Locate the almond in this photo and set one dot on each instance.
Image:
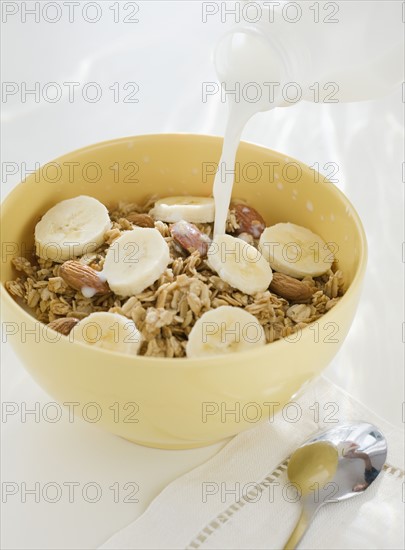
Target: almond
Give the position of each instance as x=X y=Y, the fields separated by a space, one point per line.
x=249 y=220
x=291 y=289
x=63 y=325
x=189 y=237
x=84 y=278
x=141 y=220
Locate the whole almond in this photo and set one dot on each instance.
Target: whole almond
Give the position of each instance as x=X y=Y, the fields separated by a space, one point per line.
x=189 y=237
x=63 y=325
x=291 y=289
x=84 y=278
x=141 y=220
x=249 y=220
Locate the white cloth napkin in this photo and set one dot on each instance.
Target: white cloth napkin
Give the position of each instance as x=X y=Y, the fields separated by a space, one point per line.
x=241 y=497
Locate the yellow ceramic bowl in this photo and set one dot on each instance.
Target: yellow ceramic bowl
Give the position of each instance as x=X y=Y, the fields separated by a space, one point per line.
x=180 y=403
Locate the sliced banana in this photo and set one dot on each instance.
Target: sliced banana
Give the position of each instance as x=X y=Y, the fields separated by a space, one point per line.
x=295 y=250
x=225 y=329
x=135 y=260
x=71 y=228
x=110 y=331
x=188 y=208
x=239 y=264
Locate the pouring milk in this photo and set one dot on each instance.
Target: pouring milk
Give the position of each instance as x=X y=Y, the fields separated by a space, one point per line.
x=355 y=55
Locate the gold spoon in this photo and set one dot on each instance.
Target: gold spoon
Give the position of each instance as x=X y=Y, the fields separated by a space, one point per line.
x=325 y=468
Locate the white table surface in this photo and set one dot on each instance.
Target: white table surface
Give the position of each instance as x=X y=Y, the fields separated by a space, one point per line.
x=168 y=53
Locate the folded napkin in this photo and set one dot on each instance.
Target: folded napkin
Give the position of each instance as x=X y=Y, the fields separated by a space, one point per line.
x=241 y=498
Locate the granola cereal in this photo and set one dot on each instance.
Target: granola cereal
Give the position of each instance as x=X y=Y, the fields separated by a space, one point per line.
x=166 y=311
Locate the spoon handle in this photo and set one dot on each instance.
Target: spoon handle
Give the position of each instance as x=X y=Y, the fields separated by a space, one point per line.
x=301 y=527
x=297 y=534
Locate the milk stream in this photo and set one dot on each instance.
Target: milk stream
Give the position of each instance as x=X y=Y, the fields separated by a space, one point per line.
x=361 y=57
x=223 y=183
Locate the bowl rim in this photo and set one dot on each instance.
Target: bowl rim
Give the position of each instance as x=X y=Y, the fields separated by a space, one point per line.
x=209 y=361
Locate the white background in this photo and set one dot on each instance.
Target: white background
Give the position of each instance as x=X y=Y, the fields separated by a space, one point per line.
x=168 y=53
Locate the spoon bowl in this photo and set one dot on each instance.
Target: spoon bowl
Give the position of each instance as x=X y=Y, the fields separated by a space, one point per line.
x=334 y=465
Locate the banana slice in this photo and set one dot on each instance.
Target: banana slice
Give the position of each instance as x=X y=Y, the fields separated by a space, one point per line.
x=135 y=260
x=239 y=264
x=225 y=329
x=71 y=228
x=110 y=331
x=188 y=208
x=295 y=250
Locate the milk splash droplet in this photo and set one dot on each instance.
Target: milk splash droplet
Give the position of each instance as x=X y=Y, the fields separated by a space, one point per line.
x=101 y=276
x=88 y=292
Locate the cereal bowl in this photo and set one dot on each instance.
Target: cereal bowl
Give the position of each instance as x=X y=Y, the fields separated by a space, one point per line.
x=180 y=403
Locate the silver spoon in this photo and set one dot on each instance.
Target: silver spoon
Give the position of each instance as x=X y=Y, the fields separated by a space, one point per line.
x=334 y=465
